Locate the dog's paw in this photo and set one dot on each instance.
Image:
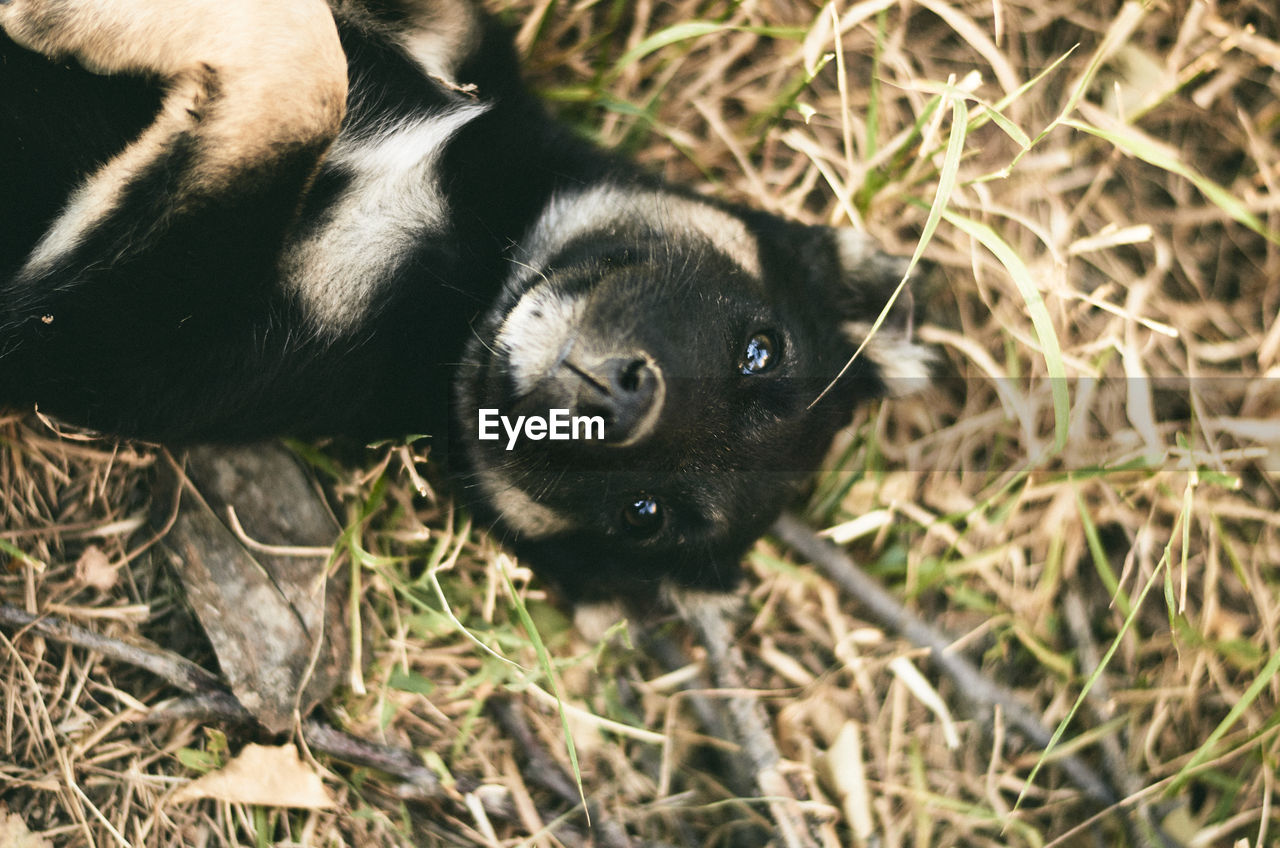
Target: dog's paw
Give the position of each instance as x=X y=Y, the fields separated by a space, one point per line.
x=168 y=38
x=39 y=25
x=278 y=63
x=105 y=36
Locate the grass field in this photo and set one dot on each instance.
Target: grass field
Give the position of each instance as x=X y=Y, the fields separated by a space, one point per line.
x=1088 y=499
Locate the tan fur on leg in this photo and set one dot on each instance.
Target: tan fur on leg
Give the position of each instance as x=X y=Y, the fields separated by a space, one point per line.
x=251 y=80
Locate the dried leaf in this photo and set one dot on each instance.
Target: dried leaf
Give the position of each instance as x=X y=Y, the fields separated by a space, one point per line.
x=256 y=583
x=269 y=776
x=94 y=568
x=14 y=833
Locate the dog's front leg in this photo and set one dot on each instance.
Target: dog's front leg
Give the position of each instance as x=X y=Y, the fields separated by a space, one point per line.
x=256 y=91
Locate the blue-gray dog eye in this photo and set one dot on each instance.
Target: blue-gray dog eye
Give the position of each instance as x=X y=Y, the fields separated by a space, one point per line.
x=759 y=355
x=643 y=516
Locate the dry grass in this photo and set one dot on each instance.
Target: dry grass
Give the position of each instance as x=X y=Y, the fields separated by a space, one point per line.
x=1119 y=539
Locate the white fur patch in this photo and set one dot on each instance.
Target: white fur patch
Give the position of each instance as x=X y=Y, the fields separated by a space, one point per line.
x=597 y=618
x=691 y=604
x=542 y=331
x=88 y=206
x=537 y=334
x=521 y=513
x=904 y=365
x=854 y=247
x=393 y=201
x=605 y=208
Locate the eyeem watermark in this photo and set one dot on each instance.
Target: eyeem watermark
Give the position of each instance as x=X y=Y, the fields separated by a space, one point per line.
x=557 y=426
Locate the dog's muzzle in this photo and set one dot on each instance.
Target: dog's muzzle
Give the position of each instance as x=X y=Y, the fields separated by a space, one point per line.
x=627 y=392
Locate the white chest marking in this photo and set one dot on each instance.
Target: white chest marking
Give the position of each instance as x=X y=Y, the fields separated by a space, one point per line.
x=394 y=200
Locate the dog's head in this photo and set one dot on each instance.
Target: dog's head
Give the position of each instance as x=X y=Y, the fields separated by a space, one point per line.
x=639 y=405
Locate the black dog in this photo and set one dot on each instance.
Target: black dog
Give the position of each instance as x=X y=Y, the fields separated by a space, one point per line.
x=255 y=217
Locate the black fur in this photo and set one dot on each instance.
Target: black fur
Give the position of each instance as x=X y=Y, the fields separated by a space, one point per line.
x=173 y=323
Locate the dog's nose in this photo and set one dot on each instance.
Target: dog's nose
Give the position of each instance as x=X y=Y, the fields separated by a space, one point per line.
x=626 y=391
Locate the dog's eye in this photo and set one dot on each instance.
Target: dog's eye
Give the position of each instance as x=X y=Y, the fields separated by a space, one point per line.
x=759 y=355
x=643 y=517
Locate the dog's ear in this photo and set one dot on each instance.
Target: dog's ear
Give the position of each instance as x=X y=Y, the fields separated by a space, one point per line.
x=870 y=290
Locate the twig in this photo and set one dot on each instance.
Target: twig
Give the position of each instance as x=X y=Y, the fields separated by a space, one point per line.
x=542 y=767
x=166 y=665
x=709 y=714
x=419 y=782
x=1143 y=819
x=544 y=770
x=221 y=707
x=888 y=612
x=746 y=717
x=209 y=699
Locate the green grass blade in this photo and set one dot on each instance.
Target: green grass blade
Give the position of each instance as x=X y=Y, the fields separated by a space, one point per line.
x=553 y=681
x=946 y=184
x=1261 y=682
x=697 y=29
x=1040 y=318
x=1061 y=729
x=1129 y=140
x=1101 y=564
x=1131 y=14
x=946 y=180
x=1010 y=129
x=1013 y=96
x=18 y=555
x=874 y=84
